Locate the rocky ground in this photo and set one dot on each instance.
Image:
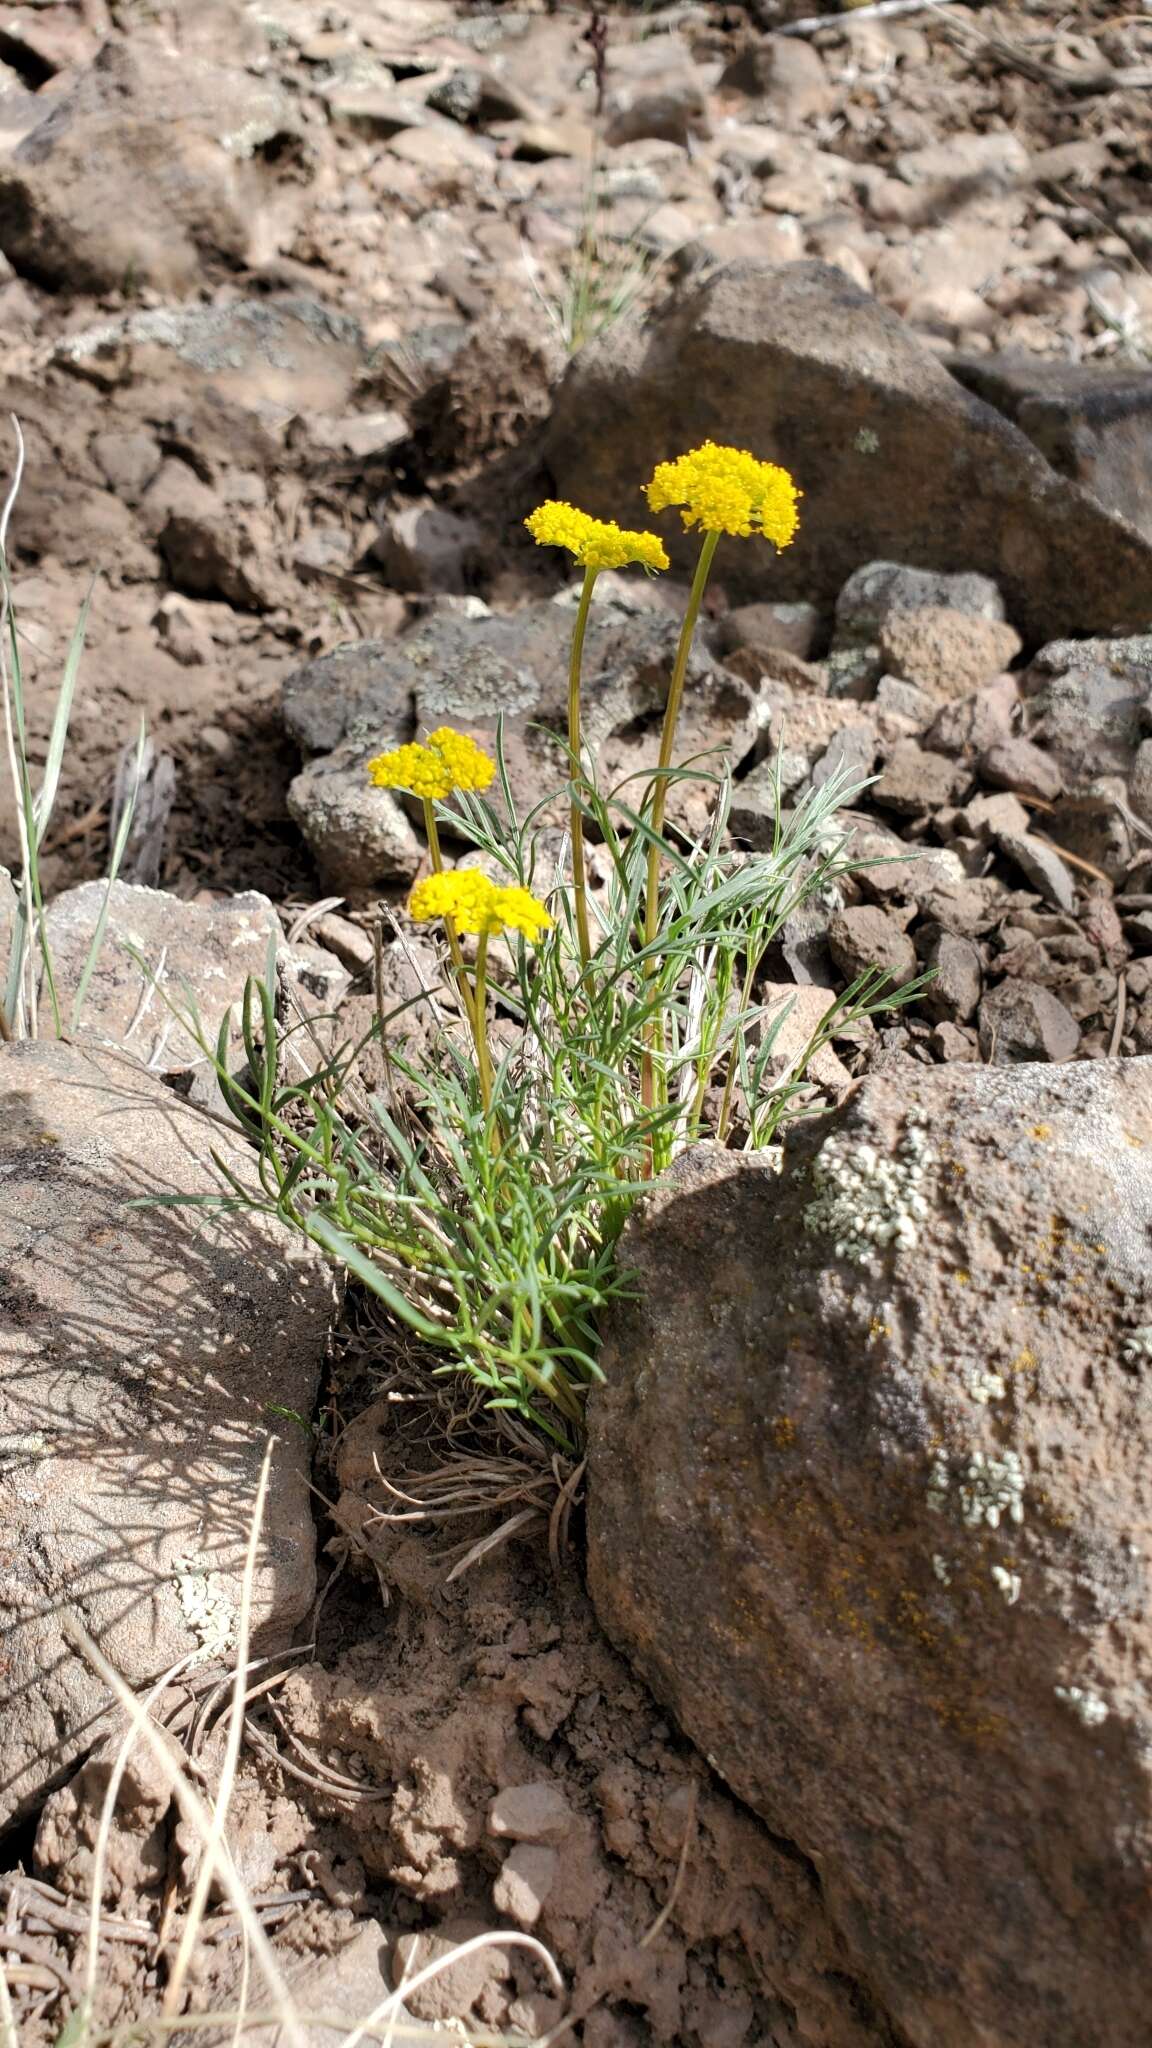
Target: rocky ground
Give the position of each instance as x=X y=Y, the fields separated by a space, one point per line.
x=304 y=307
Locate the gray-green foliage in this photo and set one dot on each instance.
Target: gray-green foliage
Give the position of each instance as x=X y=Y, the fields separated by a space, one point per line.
x=493 y=1238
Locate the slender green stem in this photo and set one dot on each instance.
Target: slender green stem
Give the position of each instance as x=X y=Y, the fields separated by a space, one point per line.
x=668 y=737
x=432 y=835
x=575 y=740
x=659 y=802
x=480 y=1023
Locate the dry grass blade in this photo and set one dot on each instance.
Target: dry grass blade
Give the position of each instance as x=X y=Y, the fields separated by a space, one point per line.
x=497 y=1938
x=1121 y=1010
x=214 y=1842
x=487 y=1544
x=195 y=1811
x=561 y=1516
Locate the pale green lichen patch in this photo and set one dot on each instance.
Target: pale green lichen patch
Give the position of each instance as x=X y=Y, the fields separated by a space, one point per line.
x=1087 y=1705
x=867 y=1202
x=993 y=1487
x=206 y=1607
x=987 y=1386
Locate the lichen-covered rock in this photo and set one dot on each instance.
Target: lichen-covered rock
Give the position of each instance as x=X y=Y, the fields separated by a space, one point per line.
x=870 y=1487
x=145 y=1355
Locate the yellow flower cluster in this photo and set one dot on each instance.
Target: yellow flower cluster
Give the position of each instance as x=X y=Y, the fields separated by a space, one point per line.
x=727 y=490
x=596 y=543
x=476 y=904
x=449 y=760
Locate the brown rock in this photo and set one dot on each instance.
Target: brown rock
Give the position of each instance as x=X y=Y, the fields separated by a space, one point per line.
x=988 y=817
x=537 y=1812
x=770 y=628
x=1095 y=826
x=1091 y=421
x=1042 y=865
x=866 y=937
x=802 y=367
x=159 y=950
x=1086 y=703
x=785 y=76
x=527 y=1875
x=971 y=725
x=792 y=1017
x=915 y=782
x=1016 y=764
x=949 y=1042
x=672 y=110
x=455 y=1990
x=148 y=169
x=909 y=1623
x=957 y=979
x=428 y=547
x=947 y=652
x=1021 y=1021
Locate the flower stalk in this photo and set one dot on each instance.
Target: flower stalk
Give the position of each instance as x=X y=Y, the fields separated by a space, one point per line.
x=459 y=973
x=575 y=745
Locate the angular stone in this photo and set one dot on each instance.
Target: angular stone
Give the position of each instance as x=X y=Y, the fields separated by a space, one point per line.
x=970 y=725
x=865 y=936
x=358 y=835
x=527 y=1875
x=863 y=1513
x=785 y=76
x=143 y=1351
x=1042 y=865
x=803 y=367
x=957 y=978
x=1088 y=704
x=1096 y=827
x=793 y=1015
x=762 y=796
x=881 y=592
x=537 y=1812
x=1018 y=765
x=1022 y=1021
x=947 y=652
x=766 y=627
x=428 y=547
x=672 y=111
x=914 y=782
x=1091 y=421
x=849 y=755
x=478 y=672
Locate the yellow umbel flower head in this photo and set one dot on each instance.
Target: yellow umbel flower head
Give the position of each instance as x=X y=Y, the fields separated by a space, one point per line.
x=596 y=543
x=476 y=904
x=726 y=490
x=449 y=760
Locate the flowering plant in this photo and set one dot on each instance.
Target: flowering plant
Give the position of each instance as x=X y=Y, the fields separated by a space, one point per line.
x=480 y=1195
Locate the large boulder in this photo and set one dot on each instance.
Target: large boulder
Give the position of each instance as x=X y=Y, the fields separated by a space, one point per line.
x=895 y=458
x=870 y=1491
x=147 y=1354
x=146 y=170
